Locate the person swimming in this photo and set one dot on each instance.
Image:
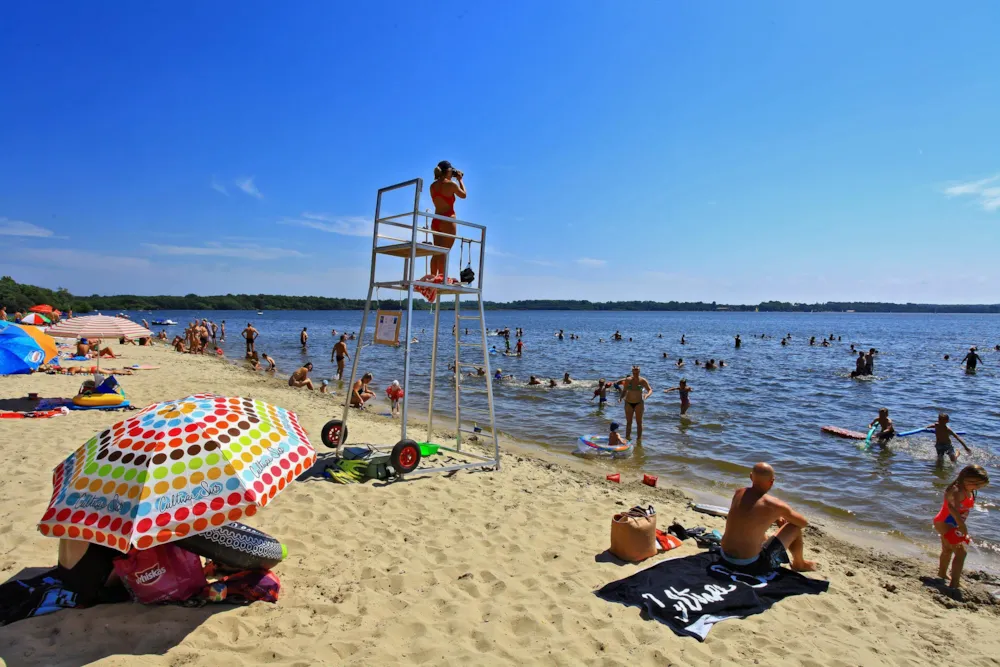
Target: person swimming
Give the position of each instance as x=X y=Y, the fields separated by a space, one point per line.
x=680 y=362
x=567 y=379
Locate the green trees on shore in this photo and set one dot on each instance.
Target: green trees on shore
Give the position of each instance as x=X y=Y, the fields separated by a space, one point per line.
x=19 y=297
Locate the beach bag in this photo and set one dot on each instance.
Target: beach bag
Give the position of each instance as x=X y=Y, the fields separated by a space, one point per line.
x=165 y=573
x=633 y=534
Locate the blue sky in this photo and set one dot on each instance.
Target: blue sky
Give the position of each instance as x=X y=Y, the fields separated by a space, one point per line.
x=724 y=151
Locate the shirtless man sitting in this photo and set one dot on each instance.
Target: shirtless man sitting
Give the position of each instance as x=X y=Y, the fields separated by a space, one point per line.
x=745 y=545
x=300 y=378
x=82 y=348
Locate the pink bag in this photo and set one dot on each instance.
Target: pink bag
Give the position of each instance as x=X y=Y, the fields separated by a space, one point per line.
x=165 y=573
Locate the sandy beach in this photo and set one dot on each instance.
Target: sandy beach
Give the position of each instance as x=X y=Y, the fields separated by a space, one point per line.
x=475 y=568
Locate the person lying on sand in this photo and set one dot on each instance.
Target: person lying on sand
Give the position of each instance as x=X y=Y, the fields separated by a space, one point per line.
x=745 y=545
x=300 y=378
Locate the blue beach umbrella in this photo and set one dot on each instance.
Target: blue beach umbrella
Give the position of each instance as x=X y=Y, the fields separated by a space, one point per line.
x=19 y=351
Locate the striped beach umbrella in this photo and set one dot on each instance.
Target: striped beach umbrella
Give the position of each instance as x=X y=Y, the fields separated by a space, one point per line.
x=176 y=469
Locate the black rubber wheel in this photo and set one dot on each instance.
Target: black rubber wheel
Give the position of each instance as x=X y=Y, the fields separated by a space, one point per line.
x=334 y=433
x=405 y=457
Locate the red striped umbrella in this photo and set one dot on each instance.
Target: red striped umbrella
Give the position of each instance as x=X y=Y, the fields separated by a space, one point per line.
x=99 y=326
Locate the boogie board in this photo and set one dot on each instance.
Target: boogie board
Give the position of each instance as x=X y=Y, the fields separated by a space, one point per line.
x=844 y=433
x=714 y=510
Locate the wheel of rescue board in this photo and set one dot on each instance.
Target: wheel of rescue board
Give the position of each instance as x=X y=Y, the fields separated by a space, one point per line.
x=334 y=433
x=405 y=456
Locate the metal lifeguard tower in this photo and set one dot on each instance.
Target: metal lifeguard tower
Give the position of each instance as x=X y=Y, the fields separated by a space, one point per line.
x=415 y=243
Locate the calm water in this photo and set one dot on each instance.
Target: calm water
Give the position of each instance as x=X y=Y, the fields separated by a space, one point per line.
x=767 y=404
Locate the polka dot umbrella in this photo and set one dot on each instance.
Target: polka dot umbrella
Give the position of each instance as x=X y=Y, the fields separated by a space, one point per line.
x=176 y=469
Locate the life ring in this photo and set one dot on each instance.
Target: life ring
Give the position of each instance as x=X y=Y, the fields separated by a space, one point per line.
x=237 y=545
x=597 y=445
x=98 y=400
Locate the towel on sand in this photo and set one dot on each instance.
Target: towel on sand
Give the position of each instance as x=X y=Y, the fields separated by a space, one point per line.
x=693 y=593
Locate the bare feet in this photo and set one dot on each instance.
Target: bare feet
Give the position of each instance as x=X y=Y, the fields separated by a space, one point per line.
x=805 y=566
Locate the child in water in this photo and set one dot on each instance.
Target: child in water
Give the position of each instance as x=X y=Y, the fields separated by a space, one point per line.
x=615 y=440
x=887 y=430
x=684 y=390
x=959 y=499
x=942 y=434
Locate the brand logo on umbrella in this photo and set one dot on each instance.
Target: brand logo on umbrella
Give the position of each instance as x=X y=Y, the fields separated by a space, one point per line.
x=36 y=356
x=150 y=576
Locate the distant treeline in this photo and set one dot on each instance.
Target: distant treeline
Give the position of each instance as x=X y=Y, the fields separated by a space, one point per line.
x=19 y=297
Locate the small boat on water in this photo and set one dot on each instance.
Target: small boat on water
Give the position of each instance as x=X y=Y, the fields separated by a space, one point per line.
x=163 y=323
x=260 y=312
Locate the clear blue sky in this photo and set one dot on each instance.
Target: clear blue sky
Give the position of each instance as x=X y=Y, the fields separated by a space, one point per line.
x=729 y=151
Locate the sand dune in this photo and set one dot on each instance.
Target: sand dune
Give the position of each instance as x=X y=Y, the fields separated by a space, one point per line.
x=476 y=568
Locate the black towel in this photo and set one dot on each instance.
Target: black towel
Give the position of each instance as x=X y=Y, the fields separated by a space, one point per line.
x=693 y=593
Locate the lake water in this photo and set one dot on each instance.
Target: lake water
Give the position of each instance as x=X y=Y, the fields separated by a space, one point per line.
x=768 y=404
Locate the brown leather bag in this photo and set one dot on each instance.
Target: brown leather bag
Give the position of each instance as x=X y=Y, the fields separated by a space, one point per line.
x=633 y=535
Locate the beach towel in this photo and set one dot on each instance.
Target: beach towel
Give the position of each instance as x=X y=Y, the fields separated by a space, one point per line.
x=693 y=593
x=430 y=293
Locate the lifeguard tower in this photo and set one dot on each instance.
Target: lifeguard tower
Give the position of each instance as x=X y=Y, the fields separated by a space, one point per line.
x=413 y=243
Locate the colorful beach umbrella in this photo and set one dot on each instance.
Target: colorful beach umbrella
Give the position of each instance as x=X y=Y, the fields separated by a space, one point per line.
x=23 y=349
x=35 y=319
x=42 y=308
x=176 y=469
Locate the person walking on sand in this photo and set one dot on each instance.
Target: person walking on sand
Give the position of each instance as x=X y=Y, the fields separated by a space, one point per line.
x=304 y=338
x=637 y=390
x=746 y=548
x=443 y=191
x=684 y=390
x=339 y=354
x=942 y=439
x=959 y=499
x=250 y=336
x=300 y=378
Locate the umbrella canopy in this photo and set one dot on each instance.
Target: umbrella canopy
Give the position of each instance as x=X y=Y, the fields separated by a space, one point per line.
x=42 y=308
x=35 y=319
x=98 y=326
x=174 y=470
x=23 y=349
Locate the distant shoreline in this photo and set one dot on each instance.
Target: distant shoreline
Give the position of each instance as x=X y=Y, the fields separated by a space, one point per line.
x=20 y=297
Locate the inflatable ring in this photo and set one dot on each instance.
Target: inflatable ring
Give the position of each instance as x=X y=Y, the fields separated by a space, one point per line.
x=597 y=445
x=98 y=400
x=237 y=545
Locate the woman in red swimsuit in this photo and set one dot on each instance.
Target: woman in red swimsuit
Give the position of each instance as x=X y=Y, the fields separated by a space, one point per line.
x=444 y=190
x=959 y=499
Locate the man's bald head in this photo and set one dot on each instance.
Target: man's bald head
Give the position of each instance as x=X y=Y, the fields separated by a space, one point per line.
x=762 y=476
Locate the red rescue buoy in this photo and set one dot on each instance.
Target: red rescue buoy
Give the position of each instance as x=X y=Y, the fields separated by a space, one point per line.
x=649 y=480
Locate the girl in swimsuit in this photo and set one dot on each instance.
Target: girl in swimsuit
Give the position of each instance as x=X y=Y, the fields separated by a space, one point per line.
x=443 y=192
x=635 y=393
x=959 y=498
x=684 y=390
